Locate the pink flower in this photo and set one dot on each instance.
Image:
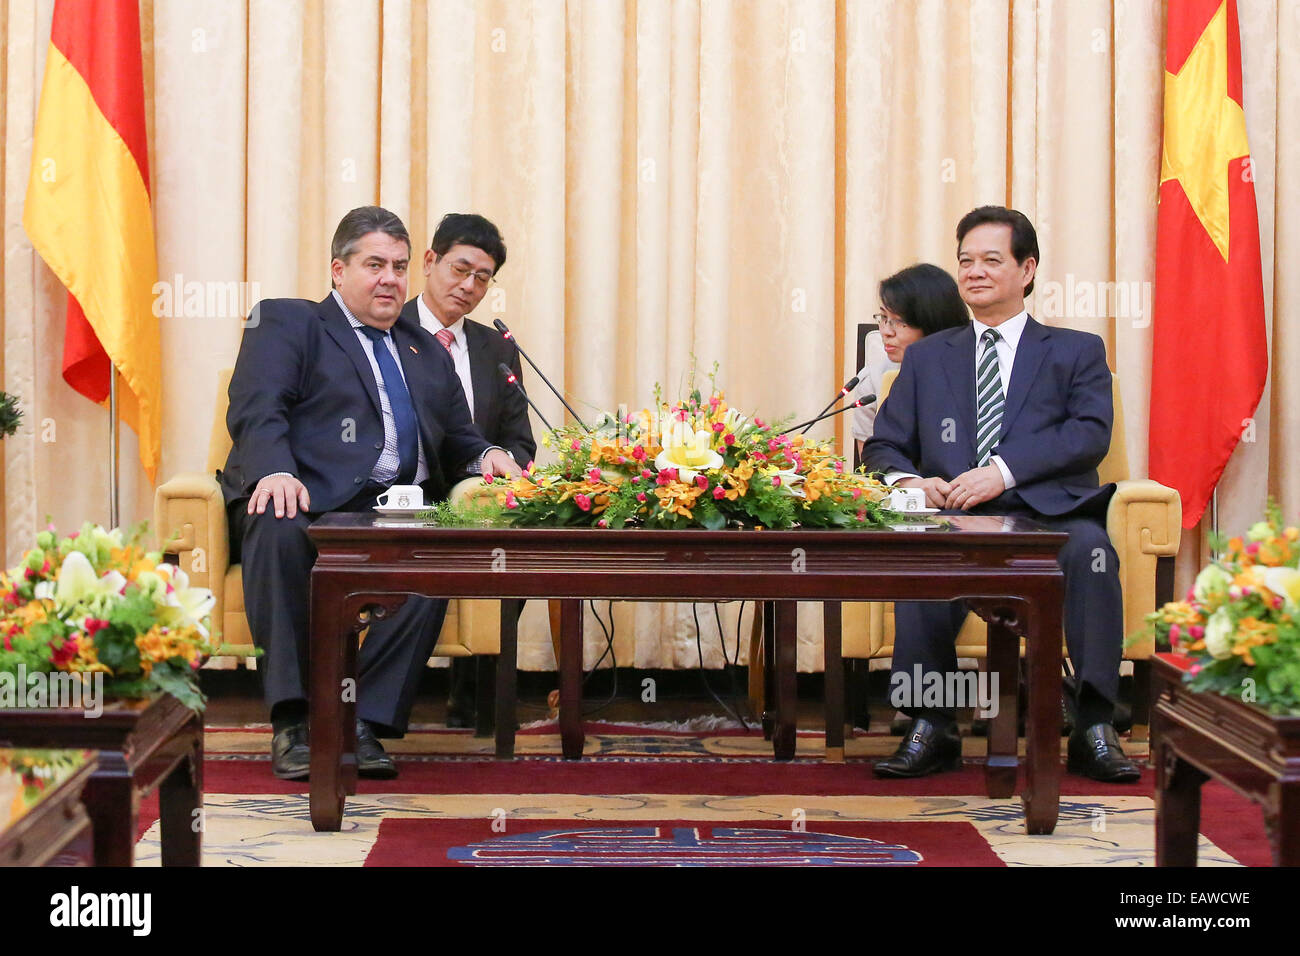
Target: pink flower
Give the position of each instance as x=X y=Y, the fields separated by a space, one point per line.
x=1194 y=669
x=773 y=444
x=647 y=473
x=1236 y=593
x=1175 y=632
x=621 y=460
x=719 y=493
x=839 y=467
x=636 y=479
x=669 y=473
x=701 y=481
x=640 y=496
x=638 y=453
x=602 y=523
x=1191 y=595
x=511 y=501
x=487 y=479
x=759 y=456
x=862 y=515
x=1196 y=631
x=575 y=444
x=857 y=493
x=594 y=474
x=776 y=481
x=758 y=423
x=583 y=502
x=729 y=439
x=719 y=426
x=1252 y=548
x=1277 y=602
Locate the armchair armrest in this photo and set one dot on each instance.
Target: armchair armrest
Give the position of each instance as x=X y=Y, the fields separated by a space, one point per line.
x=1144 y=522
x=189 y=516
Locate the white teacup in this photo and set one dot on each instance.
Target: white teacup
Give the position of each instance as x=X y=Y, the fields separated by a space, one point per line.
x=907 y=499
x=402 y=496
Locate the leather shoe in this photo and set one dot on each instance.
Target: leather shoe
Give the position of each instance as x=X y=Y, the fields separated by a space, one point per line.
x=458 y=719
x=1096 y=753
x=290 y=753
x=372 y=761
x=926 y=749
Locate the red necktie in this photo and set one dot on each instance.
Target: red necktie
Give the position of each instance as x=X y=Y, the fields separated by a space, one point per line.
x=446 y=337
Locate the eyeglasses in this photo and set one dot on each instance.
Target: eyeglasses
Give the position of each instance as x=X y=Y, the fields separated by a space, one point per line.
x=885 y=322
x=462 y=272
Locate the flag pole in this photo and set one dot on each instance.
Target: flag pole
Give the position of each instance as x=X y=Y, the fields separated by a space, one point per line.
x=1214 y=520
x=113 y=490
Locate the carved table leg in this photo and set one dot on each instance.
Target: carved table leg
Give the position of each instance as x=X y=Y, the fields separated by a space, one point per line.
x=833 y=673
x=571 y=732
x=1284 y=828
x=1043 y=725
x=1178 y=808
x=786 y=680
x=507 y=680
x=1003 y=757
x=179 y=795
x=328 y=670
x=112 y=805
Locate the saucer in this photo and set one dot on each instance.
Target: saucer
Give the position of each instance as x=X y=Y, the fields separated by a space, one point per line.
x=391 y=511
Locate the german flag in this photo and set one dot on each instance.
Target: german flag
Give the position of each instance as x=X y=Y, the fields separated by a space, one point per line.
x=1209 y=348
x=88 y=209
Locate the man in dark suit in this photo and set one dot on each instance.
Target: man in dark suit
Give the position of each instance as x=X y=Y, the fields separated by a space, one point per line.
x=330 y=404
x=463 y=260
x=1006 y=416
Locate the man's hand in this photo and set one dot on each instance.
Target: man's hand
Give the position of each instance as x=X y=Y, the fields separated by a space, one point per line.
x=497 y=464
x=285 y=491
x=974 y=487
x=936 y=489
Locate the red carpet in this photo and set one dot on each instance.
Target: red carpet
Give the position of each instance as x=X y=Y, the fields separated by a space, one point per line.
x=677 y=843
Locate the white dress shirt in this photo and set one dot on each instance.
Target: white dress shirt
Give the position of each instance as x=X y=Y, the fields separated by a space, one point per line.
x=459 y=347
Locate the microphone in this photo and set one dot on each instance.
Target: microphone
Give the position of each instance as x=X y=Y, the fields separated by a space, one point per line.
x=865 y=400
x=513 y=379
x=849 y=386
x=501 y=327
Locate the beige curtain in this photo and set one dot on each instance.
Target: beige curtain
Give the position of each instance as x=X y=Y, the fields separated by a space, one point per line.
x=728 y=179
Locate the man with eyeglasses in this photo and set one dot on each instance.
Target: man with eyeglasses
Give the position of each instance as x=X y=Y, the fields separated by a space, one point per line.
x=462 y=262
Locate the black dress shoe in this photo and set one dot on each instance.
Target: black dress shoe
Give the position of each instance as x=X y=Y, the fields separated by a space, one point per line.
x=1096 y=753
x=372 y=761
x=459 y=719
x=926 y=749
x=290 y=754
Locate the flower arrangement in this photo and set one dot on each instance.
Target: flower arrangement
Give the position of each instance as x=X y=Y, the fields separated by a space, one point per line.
x=1240 y=621
x=96 y=602
x=697 y=462
x=26 y=775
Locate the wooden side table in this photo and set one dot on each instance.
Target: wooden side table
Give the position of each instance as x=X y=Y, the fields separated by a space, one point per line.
x=38 y=835
x=1196 y=736
x=142 y=744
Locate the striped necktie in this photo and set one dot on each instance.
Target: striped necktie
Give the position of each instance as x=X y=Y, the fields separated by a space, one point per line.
x=446 y=337
x=988 y=398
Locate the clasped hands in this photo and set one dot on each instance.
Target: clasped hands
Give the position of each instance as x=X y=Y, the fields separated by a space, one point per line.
x=288 y=495
x=967 y=490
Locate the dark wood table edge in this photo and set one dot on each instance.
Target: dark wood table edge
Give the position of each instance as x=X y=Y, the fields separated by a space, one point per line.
x=46 y=827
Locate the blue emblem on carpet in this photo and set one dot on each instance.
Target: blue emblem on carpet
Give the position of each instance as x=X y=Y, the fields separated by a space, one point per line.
x=651 y=846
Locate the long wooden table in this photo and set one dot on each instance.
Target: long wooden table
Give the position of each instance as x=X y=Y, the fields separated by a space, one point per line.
x=1006 y=567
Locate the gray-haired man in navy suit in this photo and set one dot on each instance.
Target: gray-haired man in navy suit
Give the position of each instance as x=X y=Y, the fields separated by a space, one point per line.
x=331 y=403
x=1031 y=407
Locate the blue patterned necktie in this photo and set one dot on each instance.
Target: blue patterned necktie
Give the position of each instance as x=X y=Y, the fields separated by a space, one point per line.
x=988 y=398
x=399 y=400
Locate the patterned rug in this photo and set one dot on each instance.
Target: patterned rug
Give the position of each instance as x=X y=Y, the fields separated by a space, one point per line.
x=658 y=796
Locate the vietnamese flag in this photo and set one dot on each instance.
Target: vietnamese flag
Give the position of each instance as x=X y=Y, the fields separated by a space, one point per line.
x=1209 y=348
x=88 y=210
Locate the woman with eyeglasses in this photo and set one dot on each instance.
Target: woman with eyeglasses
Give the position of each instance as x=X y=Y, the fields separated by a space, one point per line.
x=915 y=302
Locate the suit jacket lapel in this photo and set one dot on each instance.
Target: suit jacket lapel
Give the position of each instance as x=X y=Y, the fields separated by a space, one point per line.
x=340 y=330
x=481 y=372
x=959 y=366
x=1030 y=352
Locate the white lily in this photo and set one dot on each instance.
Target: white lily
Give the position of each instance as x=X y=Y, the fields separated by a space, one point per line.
x=687 y=451
x=78 y=585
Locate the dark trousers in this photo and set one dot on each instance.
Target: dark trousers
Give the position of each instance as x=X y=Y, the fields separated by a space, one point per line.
x=926 y=631
x=277 y=556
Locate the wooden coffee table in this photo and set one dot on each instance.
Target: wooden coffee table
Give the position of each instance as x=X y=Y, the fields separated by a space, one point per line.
x=40 y=833
x=142 y=744
x=1196 y=736
x=1006 y=567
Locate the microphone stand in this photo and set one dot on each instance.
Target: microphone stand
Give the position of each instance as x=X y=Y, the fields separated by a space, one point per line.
x=501 y=327
x=849 y=386
x=514 y=380
x=867 y=400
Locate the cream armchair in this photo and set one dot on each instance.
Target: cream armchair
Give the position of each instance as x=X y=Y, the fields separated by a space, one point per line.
x=1144 y=522
x=190 y=520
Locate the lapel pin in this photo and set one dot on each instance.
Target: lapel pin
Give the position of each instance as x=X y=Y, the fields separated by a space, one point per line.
x=414 y=349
